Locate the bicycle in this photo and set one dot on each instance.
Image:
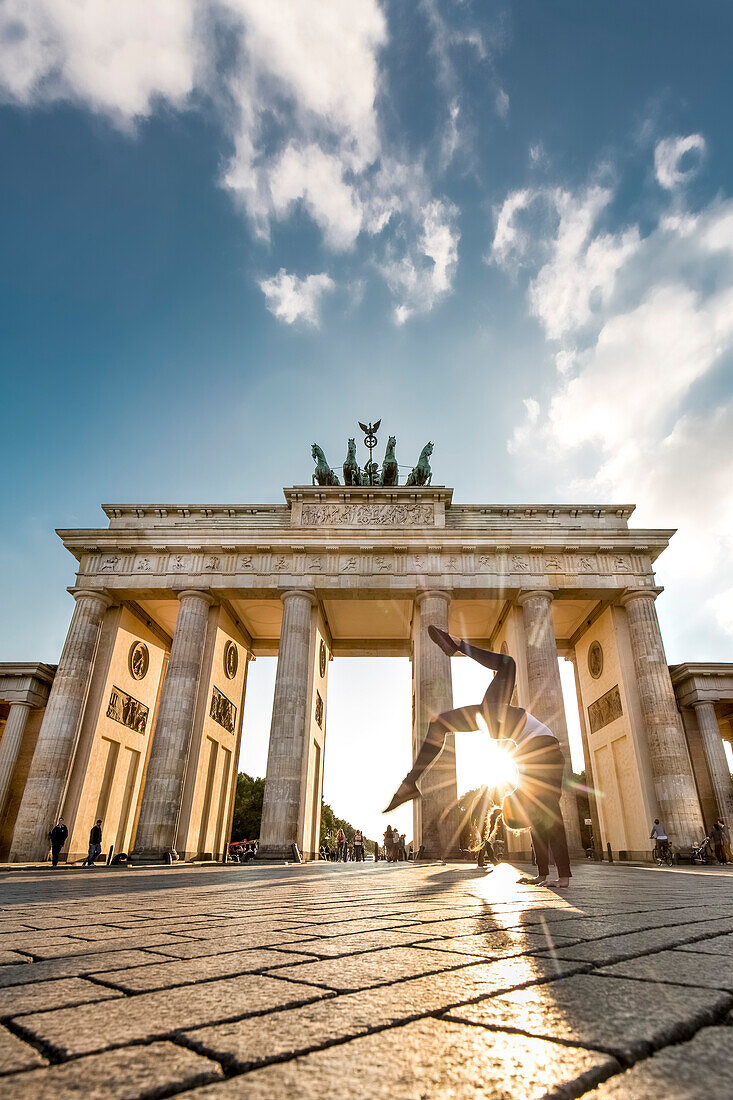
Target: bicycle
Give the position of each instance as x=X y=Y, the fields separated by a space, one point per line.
x=663 y=855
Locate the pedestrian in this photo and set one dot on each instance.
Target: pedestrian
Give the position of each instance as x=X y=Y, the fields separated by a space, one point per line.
x=388 y=844
x=726 y=841
x=358 y=846
x=716 y=835
x=340 y=846
x=57 y=837
x=402 y=848
x=95 y=844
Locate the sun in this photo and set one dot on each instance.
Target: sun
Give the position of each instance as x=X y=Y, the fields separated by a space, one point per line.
x=503 y=771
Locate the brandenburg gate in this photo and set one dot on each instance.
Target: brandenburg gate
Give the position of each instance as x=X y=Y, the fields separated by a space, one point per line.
x=143 y=721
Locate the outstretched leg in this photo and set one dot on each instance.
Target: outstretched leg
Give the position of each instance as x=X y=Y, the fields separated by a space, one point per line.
x=499 y=693
x=462 y=720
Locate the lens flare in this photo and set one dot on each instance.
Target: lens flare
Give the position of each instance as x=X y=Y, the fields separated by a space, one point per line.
x=503 y=771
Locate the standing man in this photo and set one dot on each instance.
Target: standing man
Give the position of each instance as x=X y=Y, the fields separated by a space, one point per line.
x=340 y=846
x=358 y=846
x=58 y=837
x=95 y=844
x=716 y=835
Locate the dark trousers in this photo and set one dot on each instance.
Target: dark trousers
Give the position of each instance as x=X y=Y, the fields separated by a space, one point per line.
x=548 y=832
x=487 y=853
x=55 y=853
x=537 y=803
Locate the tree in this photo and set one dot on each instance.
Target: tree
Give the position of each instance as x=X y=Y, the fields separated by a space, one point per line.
x=248 y=815
x=247 y=807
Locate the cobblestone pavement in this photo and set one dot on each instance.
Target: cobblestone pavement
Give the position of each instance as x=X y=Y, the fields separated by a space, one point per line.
x=365 y=981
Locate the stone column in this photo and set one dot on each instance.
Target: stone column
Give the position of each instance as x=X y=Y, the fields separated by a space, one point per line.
x=545 y=691
x=163 y=793
x=10 y=747
x=588 y=760
x=49 y=772
x=434 y=694
x=717 y=763
x=290 y=721
x=669 y=759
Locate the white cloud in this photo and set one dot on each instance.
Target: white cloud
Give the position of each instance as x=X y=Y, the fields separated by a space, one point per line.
x=579 y=272
x=670 y=166
x=295 y=85
x=115 y=57
x=291 y=299
x=317 y=179
x=637 y=411
x=425 y=273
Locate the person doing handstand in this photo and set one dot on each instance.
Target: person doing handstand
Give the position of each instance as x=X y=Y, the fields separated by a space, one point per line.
x=536 y=752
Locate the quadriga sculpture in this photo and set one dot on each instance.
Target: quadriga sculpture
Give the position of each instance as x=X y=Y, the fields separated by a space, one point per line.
x=323 y=474
x=389 y=466
x=352 y=472
x=422 y=474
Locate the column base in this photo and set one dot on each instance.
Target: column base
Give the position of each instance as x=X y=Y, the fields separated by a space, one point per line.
x=155 y=855
x=275 y=853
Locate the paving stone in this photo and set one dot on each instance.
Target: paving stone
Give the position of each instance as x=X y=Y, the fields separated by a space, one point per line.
x=7 y=958
x=218 y=945
x=35 y=942
x=701 y=1069
x=681 y=967
x=626 y=1018
x=37 y=996
x=125 y=943
x=719 y=945
x=116 y=1075
x=429 y=1058
x=164 y=975
x=618 y=948
x=67 y=966
x=150 y=1015
x=495 y=944
x=373 y=967
x=16 y=1055
x=333 y=947
x=295 y=1030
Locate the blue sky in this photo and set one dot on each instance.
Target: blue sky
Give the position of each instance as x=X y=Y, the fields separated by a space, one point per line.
x=230 y=228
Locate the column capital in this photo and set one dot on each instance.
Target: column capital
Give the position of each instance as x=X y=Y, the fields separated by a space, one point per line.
x=638 y=593
x=202 y=593
x=528 y=593
x=703 y=703
x=96 y=593
x=305 y=593
x=426 y=593
x=21 y=703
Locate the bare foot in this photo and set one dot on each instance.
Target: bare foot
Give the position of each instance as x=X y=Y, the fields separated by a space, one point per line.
x=525 y=880
x=559 y=884
x=442 y=638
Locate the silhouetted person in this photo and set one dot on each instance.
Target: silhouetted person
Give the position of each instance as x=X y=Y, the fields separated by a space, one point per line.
x=58 y=837
x=716 y=835
x=95 y=844
x=536 y=752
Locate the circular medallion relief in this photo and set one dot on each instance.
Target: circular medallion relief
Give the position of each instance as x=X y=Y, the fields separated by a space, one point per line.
x=231 y=660
x=138 y=660
x=595 y=660
x=322 y=659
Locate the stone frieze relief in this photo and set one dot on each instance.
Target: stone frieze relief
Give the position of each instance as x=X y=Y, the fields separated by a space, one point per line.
x=367 y=515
